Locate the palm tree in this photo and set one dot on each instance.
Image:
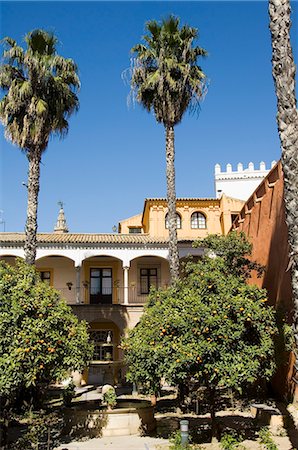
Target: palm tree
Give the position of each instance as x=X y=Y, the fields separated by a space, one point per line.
x=283 y=69
x=39 y=96
x=167 y=80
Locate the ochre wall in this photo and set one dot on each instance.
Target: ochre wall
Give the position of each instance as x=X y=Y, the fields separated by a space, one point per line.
x=135 y=221
x=217 y=212
x=263 y=221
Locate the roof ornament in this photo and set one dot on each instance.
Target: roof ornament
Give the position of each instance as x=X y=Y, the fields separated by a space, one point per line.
x=61 y=226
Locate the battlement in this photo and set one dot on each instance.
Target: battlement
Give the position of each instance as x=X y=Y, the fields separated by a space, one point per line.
x=239 y=183
x=240 y=169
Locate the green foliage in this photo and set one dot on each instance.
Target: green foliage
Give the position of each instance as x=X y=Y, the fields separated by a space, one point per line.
x=68 y=393
x=39 y=90
x=165 y=76
x=43 y=432
x=110 y=397
x=266 y=439
x=211 y=326
x=40 y=338
x=176 y=442
x=234 y=249
x=230 y=441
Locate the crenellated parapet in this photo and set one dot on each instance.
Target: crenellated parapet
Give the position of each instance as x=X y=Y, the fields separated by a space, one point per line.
x=250 y=170
x=239 y=183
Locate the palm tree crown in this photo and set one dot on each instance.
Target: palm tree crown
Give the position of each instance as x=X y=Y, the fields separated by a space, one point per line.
x=39 y=91
x=166 y=77
x=39 y=96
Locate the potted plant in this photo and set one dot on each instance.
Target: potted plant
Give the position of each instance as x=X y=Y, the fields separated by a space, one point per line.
x=110 y=398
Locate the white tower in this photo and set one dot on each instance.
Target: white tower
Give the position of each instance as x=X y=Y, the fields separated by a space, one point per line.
x=240 y=183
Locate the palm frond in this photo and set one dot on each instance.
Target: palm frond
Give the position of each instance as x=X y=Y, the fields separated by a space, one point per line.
x=165 y=76
x=39 y=90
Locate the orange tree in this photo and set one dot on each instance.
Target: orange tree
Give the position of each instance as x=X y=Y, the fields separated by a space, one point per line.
x=41 y=340
x=210 y=327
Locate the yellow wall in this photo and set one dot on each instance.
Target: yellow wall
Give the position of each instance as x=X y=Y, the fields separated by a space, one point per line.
x=135 y=221
x=62 y=271
x=217 y=212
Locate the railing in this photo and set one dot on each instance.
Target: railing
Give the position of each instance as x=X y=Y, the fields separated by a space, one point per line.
x=115 y=296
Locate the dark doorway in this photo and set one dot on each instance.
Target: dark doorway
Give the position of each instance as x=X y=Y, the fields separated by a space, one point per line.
x=101 y=286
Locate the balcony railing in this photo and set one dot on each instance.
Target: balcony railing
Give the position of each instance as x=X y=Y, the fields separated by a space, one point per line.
x=116 y=295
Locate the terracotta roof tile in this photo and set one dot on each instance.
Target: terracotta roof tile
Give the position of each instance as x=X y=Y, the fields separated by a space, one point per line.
x=83 y=238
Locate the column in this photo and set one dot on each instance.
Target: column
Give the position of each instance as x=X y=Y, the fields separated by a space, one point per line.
x=78 y=283
x=125 y=284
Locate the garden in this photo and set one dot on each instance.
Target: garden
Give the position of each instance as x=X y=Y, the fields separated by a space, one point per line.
x=205 y=351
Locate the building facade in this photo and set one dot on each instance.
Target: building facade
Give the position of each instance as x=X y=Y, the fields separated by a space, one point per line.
x=106 y=278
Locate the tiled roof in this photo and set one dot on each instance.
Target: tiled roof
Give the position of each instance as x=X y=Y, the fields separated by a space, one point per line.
x=182 y=199
x=80 y=238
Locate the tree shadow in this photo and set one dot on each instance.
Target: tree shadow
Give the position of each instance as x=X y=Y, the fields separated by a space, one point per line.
x=200 y=427
x=289 y=425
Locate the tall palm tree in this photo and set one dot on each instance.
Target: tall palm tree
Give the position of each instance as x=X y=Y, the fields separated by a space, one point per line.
x=39 y=96
x=283 y=69
x=167 y=80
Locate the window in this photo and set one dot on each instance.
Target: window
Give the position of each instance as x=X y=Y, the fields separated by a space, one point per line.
x=103 y=345
x=100 y=286
x=198 y=221
x=178 y=219
x=234 y=217
x=45 y=276
x=135 y=230
x=148 y=278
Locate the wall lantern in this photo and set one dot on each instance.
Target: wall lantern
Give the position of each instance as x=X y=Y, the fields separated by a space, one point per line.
x=69 y=285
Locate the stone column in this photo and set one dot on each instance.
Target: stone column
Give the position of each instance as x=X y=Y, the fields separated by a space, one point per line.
x=125 y=284
x=78 y=284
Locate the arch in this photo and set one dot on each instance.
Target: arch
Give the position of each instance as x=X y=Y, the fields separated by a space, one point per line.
x=105 y=335
x=102 y=255
x=10 y=259
x=16 y=252
x=198 y=221
x=145 y=272
x=178 y=221
x=66 y=253
x=54 y=256
x=116 y=254
x=150 y=255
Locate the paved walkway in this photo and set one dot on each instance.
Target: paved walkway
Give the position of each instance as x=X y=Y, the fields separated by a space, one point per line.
x=148 y=443
x=119 y=443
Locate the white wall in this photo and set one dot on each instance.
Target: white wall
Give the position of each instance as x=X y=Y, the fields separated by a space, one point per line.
x=240 y=183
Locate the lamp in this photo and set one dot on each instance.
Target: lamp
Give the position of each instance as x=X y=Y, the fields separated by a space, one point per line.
x=69 y=285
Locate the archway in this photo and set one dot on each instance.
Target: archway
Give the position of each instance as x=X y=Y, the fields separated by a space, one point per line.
x=146 y=272
x=106 y=365
x=102 y=277
x=59 y=271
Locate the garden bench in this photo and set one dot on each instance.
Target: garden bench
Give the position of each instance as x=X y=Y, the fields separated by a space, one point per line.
x=267 y=415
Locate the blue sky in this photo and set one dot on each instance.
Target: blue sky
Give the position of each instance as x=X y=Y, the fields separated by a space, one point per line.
x=113 y=156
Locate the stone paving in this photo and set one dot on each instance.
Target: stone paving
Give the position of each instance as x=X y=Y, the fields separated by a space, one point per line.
x=119 y=443
x=283 y=441
x=148 y=443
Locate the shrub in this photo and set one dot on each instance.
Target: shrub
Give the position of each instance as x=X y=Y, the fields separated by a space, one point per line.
x=110 y=398
x=41 y=340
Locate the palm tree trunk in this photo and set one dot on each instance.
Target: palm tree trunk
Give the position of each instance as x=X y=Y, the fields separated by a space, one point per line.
x=34 y=157
x=283 y=70
x=171 y=196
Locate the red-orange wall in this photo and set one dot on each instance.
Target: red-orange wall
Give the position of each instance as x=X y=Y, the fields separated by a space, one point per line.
x=263 y=221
